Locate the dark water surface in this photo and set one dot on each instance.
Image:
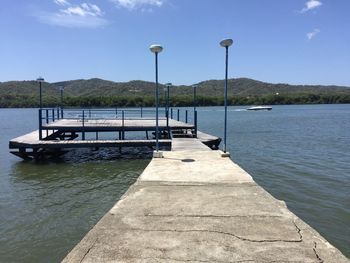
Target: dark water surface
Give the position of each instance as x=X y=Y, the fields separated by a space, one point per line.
x=300 y=154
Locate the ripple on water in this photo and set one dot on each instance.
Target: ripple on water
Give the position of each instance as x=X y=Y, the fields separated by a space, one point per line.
x=57 y=201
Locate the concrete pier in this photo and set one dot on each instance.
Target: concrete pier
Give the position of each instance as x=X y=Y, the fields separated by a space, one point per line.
x=195 y=206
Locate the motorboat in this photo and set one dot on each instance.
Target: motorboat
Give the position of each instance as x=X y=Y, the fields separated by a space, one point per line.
x=255 y=108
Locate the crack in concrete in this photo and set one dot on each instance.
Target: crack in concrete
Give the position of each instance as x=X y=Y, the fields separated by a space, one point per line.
x=282 y=261
x=205 y=261
x=316 y=254
x=298 y=230
x=220 y=232
x=88 y=250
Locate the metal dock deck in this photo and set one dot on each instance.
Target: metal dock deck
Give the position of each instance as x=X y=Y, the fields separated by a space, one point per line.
x=61 y=130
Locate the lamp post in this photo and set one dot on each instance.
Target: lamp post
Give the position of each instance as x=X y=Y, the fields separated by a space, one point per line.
x=157 y=49
x=168 y=85
x=61 y=91
x=165 y=90
x=40 y=80
x=194 y=97
x=226 y=43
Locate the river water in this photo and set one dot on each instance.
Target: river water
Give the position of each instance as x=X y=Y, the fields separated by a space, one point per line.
x=300 y=154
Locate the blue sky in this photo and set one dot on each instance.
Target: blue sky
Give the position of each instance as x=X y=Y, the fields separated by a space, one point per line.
x=278 y=41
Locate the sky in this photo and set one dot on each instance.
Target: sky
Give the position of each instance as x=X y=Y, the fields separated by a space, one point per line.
x=277 y=41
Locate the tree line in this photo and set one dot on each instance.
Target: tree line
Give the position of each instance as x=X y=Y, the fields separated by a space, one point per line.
x=22 y=101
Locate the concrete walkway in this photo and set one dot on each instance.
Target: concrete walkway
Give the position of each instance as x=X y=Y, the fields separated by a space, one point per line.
x=196 y=206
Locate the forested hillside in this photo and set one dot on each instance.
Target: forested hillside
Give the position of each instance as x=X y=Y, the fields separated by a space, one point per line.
x=98 y=92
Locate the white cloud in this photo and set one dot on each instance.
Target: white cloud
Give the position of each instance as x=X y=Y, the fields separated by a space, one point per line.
x=135 y=4
x=61 y=2
x=311 y=4
x=83 y=15
x=313 y=34
x=82 y=10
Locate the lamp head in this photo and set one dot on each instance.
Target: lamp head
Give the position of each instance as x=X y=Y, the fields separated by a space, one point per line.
x=226 y=42
x=168 y=84
x=156 y=48
x=40 y=79
x=61 y=88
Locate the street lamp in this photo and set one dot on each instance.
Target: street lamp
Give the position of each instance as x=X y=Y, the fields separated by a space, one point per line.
x=157 y=49
x=40 y=80
x=226 y=43
x=61 y=91
x=165 y=89
x=168 y=85
x=194 y=97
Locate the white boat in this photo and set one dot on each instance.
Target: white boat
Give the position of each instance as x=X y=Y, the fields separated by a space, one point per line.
x=260 y=108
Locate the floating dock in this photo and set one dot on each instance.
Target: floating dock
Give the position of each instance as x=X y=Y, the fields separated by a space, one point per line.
x=194 y=205
x=82 y=128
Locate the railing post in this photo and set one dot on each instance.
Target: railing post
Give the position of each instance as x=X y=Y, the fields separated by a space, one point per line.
x=123 y=133
x=178 y=114
x=83 y=131
x=40 y=125
x=47 y=116
x=186 y=119
x=61 y=113
x=167 y=118
x=89 y=114
x=195 y=124
x=58 y=113
x=141 y=112
x=53 y=114
x=116 y=113
x=171 y=113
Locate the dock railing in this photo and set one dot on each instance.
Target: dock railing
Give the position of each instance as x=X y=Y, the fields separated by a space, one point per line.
x=84 y=115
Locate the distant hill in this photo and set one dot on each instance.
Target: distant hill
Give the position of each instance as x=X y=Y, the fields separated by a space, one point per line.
x=27 y=91
x=100 y=87
x=250 y=87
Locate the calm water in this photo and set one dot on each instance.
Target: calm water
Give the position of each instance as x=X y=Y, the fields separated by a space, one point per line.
x=300 y=154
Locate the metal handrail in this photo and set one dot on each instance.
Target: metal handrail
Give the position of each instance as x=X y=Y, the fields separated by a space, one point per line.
x=84 y=115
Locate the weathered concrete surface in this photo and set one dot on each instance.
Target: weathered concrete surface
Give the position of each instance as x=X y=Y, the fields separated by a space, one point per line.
x=194 y=166
x=186 y=144
x=209 y=210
